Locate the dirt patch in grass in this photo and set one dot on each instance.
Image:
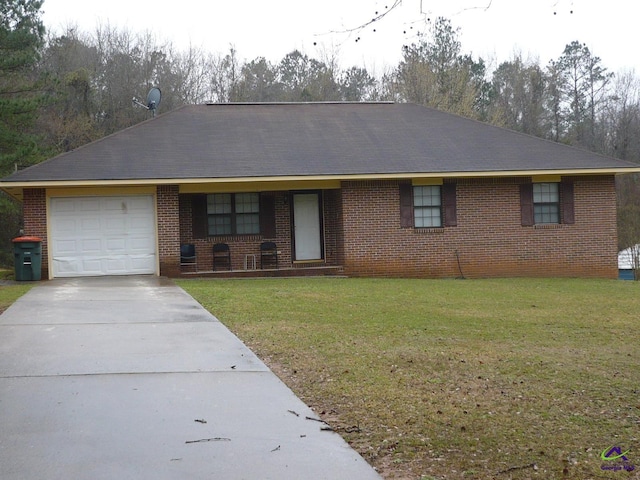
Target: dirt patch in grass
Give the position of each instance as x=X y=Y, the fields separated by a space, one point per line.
x=512 y=379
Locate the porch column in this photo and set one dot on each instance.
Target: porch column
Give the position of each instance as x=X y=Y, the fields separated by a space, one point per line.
x=168 y=230
x=34 y=206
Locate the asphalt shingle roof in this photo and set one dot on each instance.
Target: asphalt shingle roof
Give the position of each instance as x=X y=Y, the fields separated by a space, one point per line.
x=310 y=139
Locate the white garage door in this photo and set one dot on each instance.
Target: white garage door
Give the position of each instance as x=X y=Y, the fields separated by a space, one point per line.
x=95 y=236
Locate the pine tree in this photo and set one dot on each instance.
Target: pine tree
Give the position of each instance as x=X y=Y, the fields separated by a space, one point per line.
x=21 y=37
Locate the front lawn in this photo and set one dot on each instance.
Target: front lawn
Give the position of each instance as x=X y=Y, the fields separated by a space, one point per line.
x=456 y=379
x=11 y=292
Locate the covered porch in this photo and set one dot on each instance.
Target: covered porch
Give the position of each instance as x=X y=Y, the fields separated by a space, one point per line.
x=305 y=271
x=227 y=229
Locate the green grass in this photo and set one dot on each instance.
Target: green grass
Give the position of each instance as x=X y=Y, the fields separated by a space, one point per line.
x=510 y=378
x=6 y=274
x=10 y=293
x=453 y=379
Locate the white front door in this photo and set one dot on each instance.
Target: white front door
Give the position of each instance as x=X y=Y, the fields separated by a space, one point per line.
x=95 y=236
x=306 y=226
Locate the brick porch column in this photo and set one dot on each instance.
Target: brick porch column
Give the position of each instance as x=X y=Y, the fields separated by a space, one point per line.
x=168 y=230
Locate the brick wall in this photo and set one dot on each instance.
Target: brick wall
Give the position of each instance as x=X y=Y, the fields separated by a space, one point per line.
x=34 y=210
x=168 y=230
x=332 y=226
x=363 y=233
x=489 y=240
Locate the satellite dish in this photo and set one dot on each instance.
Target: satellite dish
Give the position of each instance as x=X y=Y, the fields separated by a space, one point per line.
x=153 y=100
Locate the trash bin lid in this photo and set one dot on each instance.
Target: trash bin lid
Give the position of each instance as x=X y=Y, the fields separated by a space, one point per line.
x=26 y=238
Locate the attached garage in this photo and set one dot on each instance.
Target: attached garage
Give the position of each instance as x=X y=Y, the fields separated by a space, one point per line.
x=102 y=235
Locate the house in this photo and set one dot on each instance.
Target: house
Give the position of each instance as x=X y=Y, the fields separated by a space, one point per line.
x=363 y=189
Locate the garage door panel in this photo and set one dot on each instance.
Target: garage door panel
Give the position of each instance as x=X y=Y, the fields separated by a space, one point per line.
x=116 y=264
x=90 y=246
x=116 y=226
x=116 y=246
x=66 y=205
x=139 y=245
x=91 y=266
x=117 y=205
x=89 y=224
x=96 y=236
x=138 y=223
x=88 y=204
x=65 y=247
x=67 y=225
x=65 y=266
x=140 y=263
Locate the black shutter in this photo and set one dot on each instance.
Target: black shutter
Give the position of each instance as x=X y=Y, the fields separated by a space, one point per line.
x=406 y=205
x=566 y=199
x=268 y=216
x=449 y=203
x=526 y=204
x=199 y=220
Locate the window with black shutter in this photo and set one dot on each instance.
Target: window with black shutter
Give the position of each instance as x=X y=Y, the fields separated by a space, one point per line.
x=221 y=214
x=428 y=206
x=547 y=203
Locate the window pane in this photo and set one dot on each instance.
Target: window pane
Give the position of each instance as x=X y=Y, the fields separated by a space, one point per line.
x=427 y=196
x=545 y=193
x=219 y=203
x=233 y=214
x=427 y=217
x=247 y=203
x=427 y=211
x=219 y=224
x=248 y=223
x=546 y=213
x=546 y=202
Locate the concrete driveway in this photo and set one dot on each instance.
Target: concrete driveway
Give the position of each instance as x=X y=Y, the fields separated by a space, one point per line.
x=130 y=378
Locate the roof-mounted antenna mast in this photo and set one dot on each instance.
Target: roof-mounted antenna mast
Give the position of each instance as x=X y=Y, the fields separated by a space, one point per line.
x=153 y=100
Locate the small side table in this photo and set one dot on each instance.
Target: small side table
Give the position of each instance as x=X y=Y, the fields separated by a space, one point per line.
x=250 y=261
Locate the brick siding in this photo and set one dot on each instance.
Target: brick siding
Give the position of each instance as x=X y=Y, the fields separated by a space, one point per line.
x=362 y=233
x=168 y=230
x=34 y=211
x=488 y=241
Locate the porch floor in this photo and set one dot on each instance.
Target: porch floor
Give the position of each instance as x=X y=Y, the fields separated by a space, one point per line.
x=335 y=271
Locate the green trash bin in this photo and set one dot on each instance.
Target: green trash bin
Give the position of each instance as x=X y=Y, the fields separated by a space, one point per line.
x=28 y=258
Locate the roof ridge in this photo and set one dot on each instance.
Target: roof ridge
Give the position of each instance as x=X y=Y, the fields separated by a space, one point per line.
x=327 y=102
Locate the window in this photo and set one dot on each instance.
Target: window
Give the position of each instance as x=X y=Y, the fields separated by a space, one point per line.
x=427 y=206
x=233 y=214
x=546 y=203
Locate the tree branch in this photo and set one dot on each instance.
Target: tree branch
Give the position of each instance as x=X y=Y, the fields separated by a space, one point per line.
x=378 y=16
x=398 y=3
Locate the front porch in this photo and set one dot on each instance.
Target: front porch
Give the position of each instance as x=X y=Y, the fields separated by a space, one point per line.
x=303 y=227
x=308 y=271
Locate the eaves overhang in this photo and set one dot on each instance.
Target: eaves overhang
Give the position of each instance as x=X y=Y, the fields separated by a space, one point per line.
x=291 y=182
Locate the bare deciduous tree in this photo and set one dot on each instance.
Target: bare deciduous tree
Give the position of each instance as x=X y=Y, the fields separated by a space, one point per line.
x=517 y=96
x=435 y=73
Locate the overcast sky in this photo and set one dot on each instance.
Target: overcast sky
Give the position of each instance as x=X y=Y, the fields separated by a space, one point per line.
x=491 y=29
